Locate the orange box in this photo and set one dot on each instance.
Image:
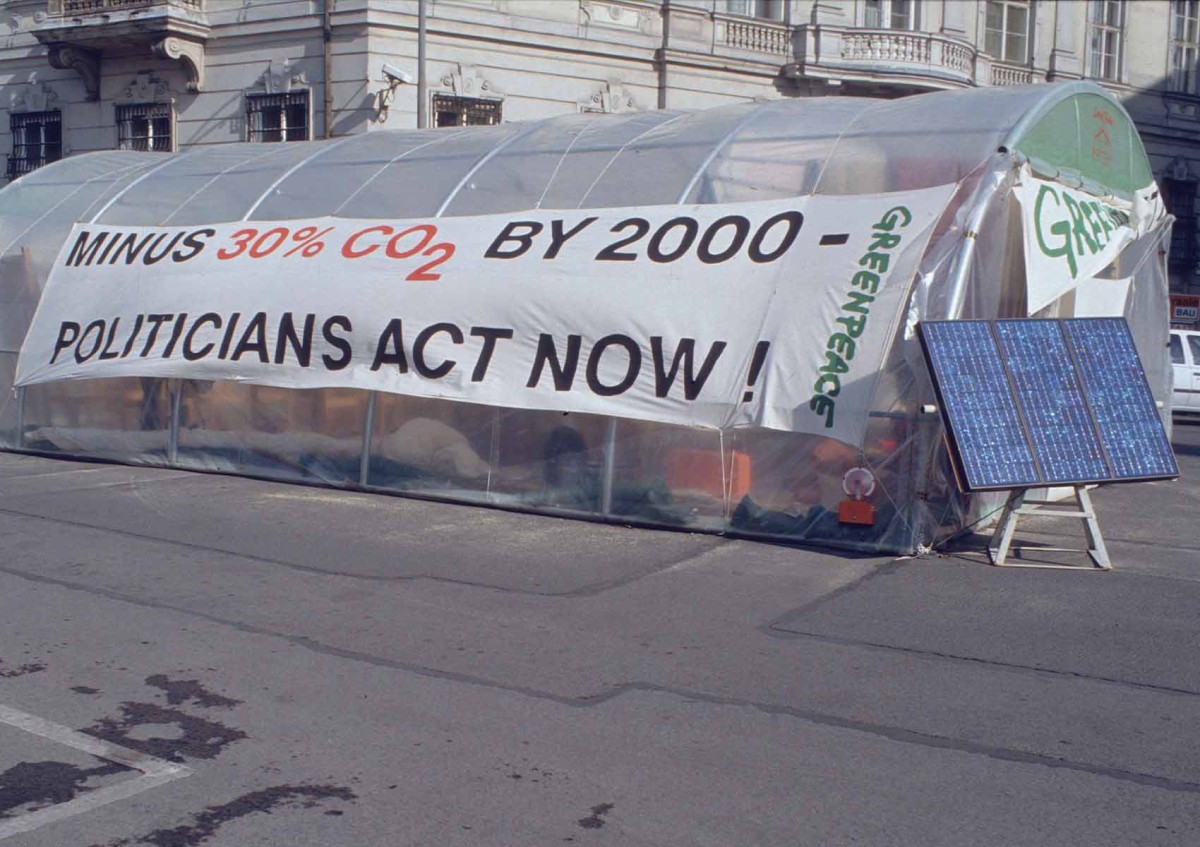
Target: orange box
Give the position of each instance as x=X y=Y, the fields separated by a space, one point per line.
x=856 y=512
x=700 y=471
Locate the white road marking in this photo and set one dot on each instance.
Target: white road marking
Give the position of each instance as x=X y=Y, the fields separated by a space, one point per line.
x=154 y=772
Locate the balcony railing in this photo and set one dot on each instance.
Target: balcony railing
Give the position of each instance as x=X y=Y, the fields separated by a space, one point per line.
x=918 y=51
x=1012 y=75
x=757 y=36
x=928 y=58
x=60 y=8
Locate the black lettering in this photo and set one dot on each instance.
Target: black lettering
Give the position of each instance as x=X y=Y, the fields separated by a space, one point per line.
x=547 y=353
x=336 y=322
x=390 y=349
x=558 y=238
x=794 y=220
x=654 y=251
x=301 y=344
x=151 y=258
x=524 y=240
x=194 y=244
x=254 y=339
x=84 y=251
x=137 y=328
x=112 y=331
x=156 y=321
x=80 y=356
x=189 y=352
x=489 y=336
x=227 y=341
x=611 y=253
x=693 y=383
x=68 y=334
x=131 y=248
x=112 y=242
x=423 y=337
x=741 y=228
x=632 y=367
x=175 y=334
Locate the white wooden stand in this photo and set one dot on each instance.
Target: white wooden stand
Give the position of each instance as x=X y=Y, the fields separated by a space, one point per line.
x=1019 y=504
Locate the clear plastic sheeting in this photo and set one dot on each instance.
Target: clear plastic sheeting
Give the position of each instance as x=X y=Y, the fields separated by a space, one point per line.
x=746 y=481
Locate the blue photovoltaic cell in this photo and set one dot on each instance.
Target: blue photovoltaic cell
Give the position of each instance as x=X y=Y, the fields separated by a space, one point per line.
x=983 y=421
x=1046 y=402
x=1120 y=398
x=1049 y=394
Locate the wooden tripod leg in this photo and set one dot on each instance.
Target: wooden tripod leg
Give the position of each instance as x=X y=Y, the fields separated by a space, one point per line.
x=1002 y=537
x=1091 y=527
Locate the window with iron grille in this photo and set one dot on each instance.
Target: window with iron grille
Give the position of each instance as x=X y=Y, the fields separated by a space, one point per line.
x=1179 y=196
x=277 y=117
x=889 y=14
x=37 y=139
x=1105 y=30
x=1185 y=38
x=145 y=126
x=1006 y=30
x=449 y=110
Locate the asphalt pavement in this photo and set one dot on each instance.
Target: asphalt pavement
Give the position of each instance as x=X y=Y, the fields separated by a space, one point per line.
x=190 y=659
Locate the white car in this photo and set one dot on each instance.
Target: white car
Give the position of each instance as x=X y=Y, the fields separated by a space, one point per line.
x=1185 y=367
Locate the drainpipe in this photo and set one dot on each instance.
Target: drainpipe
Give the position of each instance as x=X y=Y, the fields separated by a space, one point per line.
x=665 y=13
x=422 y=106
x=327 y=33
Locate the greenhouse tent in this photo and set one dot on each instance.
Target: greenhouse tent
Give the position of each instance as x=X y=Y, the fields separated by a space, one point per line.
x=702 y=320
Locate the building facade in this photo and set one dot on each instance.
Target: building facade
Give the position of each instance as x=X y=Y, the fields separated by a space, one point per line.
x=83 y=75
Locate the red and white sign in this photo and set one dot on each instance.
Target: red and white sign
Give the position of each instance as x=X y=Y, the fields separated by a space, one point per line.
x=1185 y=309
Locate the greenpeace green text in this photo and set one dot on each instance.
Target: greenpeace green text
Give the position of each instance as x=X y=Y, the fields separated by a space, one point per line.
x=1069 y=228
x=856 y=312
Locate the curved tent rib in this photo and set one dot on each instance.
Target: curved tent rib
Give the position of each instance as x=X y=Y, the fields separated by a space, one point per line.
x=168 y=163
x=716 y=151
x=388 y=164
x=612 y=160
x=478 y=165
x=60 y=203
x=325 y=148
x=213 y=179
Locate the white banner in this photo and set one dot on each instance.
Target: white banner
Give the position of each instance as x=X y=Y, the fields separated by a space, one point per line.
x=1069 y=235
x=773 y=314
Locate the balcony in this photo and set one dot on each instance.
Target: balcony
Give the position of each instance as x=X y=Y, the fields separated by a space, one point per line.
x=917 y=59
x=78 y=33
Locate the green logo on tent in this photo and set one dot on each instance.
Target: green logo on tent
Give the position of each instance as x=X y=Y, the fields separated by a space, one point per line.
x=1069 y=228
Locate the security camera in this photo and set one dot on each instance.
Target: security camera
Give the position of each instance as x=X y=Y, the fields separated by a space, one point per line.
x=395 y=75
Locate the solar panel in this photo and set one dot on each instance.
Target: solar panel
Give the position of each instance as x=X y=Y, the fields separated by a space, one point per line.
x=1120 y=399
x=973 y=389
x=1045 y=402
x=1048 y=391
